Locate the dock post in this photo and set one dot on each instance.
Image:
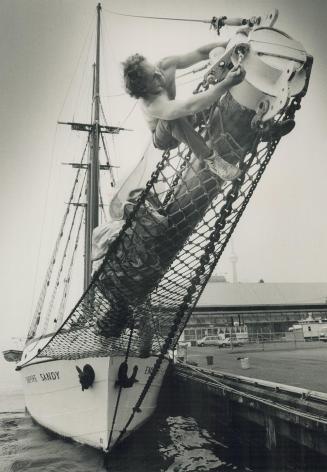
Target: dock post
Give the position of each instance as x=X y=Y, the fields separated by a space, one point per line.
x=271 y=441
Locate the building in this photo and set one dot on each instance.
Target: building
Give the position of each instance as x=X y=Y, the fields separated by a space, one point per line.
x=255 y=307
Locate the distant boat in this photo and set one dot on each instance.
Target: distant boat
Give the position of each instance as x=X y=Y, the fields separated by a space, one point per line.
x=311 y=328
x=12 y=355
x=94 y=374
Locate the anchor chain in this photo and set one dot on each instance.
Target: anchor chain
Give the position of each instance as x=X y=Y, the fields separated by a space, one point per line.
x=226 y=211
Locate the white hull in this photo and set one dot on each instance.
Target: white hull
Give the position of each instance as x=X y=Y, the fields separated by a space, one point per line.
x=55 y=399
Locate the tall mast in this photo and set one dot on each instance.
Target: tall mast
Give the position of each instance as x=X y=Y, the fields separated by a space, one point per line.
x=94 y=130
x=92 y=206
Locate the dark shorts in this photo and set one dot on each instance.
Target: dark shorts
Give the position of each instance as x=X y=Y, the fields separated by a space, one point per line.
x=162 y=136
x=169 y=134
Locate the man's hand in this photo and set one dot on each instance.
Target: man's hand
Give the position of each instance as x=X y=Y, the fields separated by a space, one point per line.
x=244 y=30
x=235 y=76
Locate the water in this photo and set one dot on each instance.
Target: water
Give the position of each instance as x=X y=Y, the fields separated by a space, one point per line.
x=168 y=443
x=176 y=439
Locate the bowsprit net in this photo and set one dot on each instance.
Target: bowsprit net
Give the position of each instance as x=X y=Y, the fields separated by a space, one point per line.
x=175 y=232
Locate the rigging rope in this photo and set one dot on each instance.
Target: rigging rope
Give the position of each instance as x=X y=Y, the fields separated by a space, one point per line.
x=67 y=284
x=64 y=255
x=88 y=34
x=123 y=121
x=39 y=307
x=33 y=316
x=113 y=180
x=194 y=71
x=192 y=20
x=120 y=389
x=101 y=205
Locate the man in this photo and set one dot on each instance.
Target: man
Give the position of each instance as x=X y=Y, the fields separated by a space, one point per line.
x=167 y=117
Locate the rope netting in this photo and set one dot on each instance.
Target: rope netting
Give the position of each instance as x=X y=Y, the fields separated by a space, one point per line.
x=174 y=234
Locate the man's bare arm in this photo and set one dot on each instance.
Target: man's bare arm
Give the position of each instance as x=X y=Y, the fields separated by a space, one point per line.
x=166 y=109
x=186 y=60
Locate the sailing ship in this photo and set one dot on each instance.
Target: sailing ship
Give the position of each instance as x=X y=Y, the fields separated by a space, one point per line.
x=97 y=377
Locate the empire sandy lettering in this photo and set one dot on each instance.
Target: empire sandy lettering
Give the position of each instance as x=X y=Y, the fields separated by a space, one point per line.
x=49 y=376
x=31 y=378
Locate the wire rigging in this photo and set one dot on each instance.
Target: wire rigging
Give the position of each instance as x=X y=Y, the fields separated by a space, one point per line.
x=39 y=307
x=193 y=20
x=128 y=114
x=87 y=38
x=113 y=179
x=67 y=281
x=63 y=258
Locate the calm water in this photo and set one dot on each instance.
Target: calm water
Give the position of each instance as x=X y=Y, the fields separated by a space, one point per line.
x=176 y=439
x=167 y=443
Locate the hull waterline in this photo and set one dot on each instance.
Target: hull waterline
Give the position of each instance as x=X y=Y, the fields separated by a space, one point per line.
x=96 y=416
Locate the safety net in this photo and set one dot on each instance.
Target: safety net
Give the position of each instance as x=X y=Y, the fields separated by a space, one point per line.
x=172 y=232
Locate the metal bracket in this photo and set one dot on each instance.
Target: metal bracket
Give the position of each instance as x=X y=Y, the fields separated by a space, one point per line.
x=256 y=122
x=269 y=19
x=270 y=106
x=219 y=70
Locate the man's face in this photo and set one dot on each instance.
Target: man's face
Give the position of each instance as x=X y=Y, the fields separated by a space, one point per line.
x=155 y=80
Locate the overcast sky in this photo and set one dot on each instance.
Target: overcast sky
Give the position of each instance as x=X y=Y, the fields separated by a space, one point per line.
x=44 y=46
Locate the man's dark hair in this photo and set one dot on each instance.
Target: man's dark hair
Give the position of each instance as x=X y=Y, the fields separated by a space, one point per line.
x=134 y=76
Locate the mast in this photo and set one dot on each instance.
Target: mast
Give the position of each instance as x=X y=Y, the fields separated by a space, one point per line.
x=92 y=204
x=95 y=130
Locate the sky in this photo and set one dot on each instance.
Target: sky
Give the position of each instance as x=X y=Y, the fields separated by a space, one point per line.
x=45 y=46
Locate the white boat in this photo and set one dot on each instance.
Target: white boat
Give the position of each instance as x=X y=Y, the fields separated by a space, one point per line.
x=97 y=376
x=89 y=399
x=306 y=321
x=56 y=400
x=312 y=328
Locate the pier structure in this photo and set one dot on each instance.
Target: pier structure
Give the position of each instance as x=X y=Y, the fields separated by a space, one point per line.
x=275 y=381
x=282 y=411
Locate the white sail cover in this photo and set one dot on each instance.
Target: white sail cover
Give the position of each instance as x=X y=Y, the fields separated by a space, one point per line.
x=136 y=181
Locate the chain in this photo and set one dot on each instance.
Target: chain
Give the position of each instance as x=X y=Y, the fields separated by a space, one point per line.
x=226 y=211
x=121 y=387
x=113 y=247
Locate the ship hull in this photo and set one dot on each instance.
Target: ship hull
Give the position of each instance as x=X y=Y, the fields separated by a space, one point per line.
x=96 y=416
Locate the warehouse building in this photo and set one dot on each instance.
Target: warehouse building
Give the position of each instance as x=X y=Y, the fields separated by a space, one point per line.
x=253 y=308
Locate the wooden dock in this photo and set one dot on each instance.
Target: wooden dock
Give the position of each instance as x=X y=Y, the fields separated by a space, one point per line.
x=282 y=391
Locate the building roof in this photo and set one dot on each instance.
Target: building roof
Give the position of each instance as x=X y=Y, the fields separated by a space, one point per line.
x=236 y=294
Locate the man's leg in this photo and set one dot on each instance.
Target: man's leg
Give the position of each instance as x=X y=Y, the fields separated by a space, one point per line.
x=169 y=133
x=182 y=130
